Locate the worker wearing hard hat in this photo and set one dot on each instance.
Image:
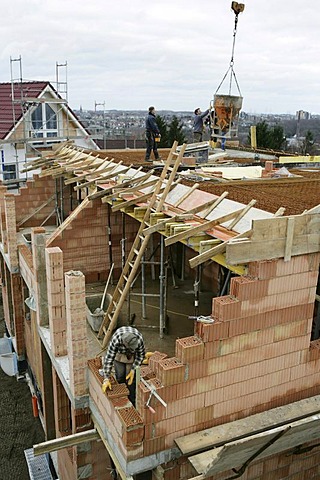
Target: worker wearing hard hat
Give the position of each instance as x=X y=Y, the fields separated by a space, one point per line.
x=198 y=124
x=125 y=353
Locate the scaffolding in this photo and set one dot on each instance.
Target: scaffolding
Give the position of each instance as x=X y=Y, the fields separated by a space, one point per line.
x=41 y=118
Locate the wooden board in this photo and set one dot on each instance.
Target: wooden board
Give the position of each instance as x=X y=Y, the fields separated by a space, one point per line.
x=278 y=237
x=237 y=453
x=250 y=251
x=227 y=432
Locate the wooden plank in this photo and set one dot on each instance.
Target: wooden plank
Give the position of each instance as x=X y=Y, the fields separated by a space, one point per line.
x=250 y=250
x=235 y=454
x=44 y=204
x=276 y=227
x=242 y=214
x=78 y=178
x=171 y=178
x=135 y=188
x=289 y=239
x=118 y=194
x=215 y=204
x=63 y=442
x=67 y=221
x=228 y=432
x=203 y=257
x=134 y=201
x=187 y=194
x=203 y=227
x=221 y=248
x=61 y=168
x=206 y=245
x=315 y=209
x=95 y=179
x=159 y=225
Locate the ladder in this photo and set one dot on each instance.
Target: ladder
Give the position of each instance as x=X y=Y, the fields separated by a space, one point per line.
x=140 y=243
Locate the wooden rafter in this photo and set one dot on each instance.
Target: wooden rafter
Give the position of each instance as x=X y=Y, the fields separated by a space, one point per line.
x=203 y=227
x=193 y=211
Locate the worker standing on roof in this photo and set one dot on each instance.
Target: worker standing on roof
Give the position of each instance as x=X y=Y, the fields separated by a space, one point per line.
x=152 y=135
x=198 y=120
x=126 y=352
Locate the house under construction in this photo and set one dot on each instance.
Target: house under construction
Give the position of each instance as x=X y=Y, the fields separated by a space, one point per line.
x=224 y=293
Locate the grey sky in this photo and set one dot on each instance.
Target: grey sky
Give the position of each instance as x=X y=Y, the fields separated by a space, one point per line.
x=170 y=53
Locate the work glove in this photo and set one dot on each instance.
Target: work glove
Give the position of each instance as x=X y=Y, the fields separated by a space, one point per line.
x=106 y=384
x=130 y=377
x=146 y=358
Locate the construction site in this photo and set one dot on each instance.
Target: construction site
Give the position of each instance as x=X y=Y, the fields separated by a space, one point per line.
x=212 y=253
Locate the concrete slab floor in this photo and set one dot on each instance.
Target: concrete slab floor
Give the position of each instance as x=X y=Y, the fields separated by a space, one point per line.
x=180 y=305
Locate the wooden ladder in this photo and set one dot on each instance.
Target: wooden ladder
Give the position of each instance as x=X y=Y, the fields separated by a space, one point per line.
x=140 y=243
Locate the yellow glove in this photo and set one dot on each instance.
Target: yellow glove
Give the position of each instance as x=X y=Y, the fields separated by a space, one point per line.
x=106 y=384
x=146 y=358
x=130 y=377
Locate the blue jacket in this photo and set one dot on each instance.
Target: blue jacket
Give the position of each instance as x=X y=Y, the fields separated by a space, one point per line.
x=151 y=124
x=198 y=122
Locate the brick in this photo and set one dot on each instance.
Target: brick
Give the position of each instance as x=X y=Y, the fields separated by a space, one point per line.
x=153 y=445
x=171 y=371
x=246 y=287
x=211 y=350
x=196 y=370
x=155 y=359
x=214 y=331
x=274 y=302
x=189 y=349
x=294 y=329
x=204 y=415
x=226 y=308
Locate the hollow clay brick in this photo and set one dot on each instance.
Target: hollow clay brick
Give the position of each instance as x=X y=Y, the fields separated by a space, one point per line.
x=226 y=308
x=155 y=359
x=171 y=371
x=189 y=349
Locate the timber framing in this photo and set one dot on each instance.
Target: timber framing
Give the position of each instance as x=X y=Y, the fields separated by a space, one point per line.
x=267 y=238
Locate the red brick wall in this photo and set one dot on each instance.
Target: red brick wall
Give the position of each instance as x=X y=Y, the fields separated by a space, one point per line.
x=84 y=242
x=30 y=197
x=255 y=356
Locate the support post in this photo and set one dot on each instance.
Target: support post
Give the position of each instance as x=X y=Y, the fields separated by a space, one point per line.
x=161 y=278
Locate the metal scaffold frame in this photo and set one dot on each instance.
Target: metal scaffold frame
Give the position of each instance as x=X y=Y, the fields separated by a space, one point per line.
x=27 y=106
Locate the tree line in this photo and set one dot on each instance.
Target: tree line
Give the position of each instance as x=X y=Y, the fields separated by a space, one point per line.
x=268 y=137
x=170 y=131
x=274 y=138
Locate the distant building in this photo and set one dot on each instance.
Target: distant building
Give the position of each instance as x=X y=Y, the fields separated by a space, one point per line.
x=302 y=115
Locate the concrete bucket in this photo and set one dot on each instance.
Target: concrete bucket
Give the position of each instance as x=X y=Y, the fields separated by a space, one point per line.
x=225 y=116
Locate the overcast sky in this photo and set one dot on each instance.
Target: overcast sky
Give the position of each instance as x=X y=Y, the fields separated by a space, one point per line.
x=169 y=53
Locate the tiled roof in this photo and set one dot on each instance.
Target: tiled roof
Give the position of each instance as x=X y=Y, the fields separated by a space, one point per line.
x=10 y=111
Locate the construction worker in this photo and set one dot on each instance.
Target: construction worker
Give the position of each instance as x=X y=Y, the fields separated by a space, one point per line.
x=126 y=352
x=152 y=135
x=198 y=124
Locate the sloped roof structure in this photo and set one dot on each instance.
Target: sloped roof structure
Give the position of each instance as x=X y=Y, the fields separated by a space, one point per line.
x=17 y=92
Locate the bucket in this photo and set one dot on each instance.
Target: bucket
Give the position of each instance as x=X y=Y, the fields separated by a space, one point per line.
x=9 y=363
x=226 y=115
x=95 y=314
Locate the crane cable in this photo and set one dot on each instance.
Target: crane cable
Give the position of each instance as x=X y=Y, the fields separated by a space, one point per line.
x=231 y=69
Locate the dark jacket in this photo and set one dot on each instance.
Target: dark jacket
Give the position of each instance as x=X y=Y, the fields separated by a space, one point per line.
x=151 y=124
x=198 y=122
